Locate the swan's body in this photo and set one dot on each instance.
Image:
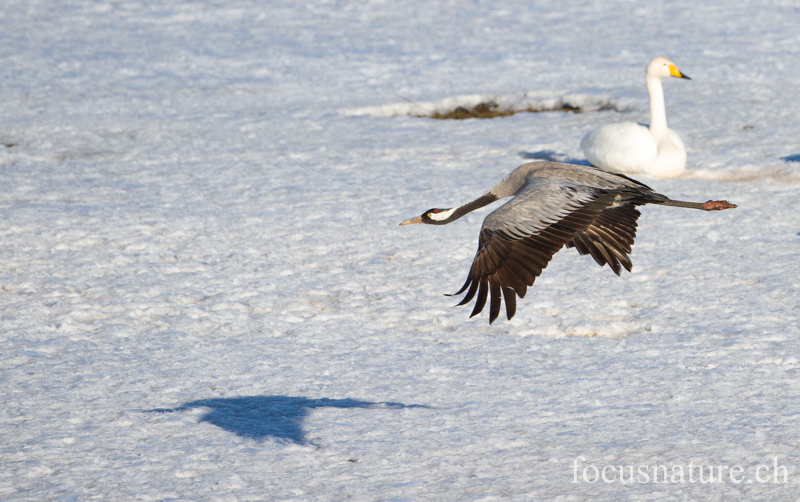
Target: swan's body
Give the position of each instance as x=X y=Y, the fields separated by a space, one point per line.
x=632 y=148
x=554 y=205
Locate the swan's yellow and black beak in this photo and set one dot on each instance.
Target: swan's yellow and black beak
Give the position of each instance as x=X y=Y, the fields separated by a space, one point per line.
x=675 y=72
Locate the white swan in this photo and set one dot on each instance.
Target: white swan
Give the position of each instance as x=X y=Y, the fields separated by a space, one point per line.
x=632 y=148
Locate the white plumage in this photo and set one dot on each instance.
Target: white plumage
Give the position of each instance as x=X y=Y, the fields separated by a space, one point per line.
x=632 y=148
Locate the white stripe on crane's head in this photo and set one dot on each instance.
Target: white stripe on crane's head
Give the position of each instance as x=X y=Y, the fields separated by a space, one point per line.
x=441 y=214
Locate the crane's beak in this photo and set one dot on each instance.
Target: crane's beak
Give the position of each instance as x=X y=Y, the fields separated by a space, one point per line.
x=418 y=219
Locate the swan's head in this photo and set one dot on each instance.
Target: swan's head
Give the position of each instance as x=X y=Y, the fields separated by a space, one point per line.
x=663 y=67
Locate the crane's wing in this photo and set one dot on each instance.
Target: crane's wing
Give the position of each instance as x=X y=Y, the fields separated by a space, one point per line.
x=609 y=238
x=518 y=239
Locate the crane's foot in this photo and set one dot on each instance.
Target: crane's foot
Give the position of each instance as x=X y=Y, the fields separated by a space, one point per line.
x=718 y=205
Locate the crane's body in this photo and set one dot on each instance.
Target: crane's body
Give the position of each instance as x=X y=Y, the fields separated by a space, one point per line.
x=553 y=205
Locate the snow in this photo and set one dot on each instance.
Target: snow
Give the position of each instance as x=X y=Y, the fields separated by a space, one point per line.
x=205 y=293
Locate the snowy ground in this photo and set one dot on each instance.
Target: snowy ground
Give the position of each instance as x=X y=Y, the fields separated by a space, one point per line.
x=205 y=295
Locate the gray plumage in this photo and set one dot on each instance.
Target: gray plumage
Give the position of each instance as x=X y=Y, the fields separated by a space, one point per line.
x=554 y=205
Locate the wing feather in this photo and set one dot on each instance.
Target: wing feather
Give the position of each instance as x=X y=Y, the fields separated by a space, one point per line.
x=481 y=301
x=511 y=302
x=494 y=304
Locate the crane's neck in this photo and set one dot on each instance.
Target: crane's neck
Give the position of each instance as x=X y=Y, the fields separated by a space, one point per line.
x=452 y=214
x=658 y=114
x=507 y=187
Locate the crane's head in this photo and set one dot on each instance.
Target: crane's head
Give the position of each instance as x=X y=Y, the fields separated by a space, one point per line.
x=435 y=216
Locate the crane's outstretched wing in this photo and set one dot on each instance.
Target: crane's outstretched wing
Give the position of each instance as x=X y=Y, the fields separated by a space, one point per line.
x=518 y=240
x=609 y=238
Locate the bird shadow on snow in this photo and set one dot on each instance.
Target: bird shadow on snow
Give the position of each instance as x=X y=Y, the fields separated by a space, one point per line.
x=552 y=156
x=262 y=417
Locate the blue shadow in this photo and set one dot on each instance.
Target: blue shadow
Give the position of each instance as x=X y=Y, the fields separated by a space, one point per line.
x=262 y=417
x=553 y=156
x=792 y=158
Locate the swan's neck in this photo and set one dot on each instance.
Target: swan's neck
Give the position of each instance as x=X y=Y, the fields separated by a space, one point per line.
x=658 y=115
